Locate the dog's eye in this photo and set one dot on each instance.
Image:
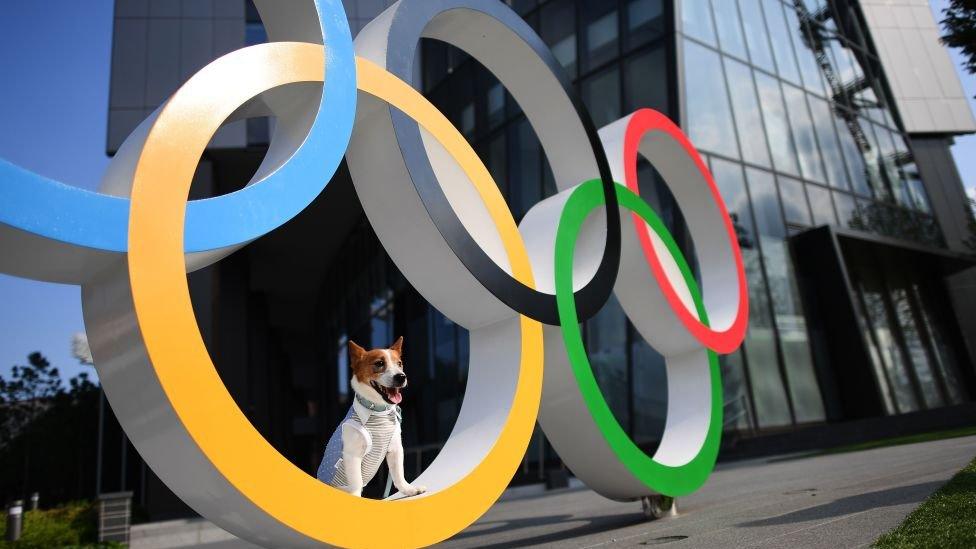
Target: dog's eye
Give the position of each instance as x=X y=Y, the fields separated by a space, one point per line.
x=378 y=364
x=400 y=364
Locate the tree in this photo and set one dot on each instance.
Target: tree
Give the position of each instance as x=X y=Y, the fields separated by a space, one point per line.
x=48 y=433
x=959 y=25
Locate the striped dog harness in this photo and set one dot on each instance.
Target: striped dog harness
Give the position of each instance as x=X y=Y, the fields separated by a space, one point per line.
x=377 y=423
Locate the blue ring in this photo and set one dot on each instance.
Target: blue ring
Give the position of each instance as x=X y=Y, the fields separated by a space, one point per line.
x=51 y=209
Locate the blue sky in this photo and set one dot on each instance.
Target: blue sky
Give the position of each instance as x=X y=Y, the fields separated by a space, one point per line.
x=54 y=58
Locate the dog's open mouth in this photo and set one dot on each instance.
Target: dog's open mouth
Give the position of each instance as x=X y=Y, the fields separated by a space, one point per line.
x=390 y=394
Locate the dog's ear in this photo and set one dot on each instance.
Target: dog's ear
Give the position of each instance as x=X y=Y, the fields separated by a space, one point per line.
x=398 y=345
x=355 y=352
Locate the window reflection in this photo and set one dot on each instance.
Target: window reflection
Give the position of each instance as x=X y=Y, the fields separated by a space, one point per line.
x=803 y=133
x=820 y=206
x=756 y=37
x=748 y=119
x=696 y=20
x=777 y=126
x=782 y=45
x=729 y=28
x=794 y=201
x=707 y=107
x=829 y=144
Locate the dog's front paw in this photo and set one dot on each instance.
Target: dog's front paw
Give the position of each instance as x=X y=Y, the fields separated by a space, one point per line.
x=413 y=490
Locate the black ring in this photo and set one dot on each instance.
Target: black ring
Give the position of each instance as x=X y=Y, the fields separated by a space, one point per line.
x=407 y=27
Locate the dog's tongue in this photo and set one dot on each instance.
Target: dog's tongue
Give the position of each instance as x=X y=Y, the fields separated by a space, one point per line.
x=395 y=396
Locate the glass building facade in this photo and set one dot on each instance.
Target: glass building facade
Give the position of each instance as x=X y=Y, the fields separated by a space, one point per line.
x=845 y=255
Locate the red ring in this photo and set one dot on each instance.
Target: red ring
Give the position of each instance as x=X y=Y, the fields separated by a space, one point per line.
x=728 y=340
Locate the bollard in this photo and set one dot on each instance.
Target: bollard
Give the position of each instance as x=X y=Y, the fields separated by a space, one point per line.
x=15 y=520
x=35 y=501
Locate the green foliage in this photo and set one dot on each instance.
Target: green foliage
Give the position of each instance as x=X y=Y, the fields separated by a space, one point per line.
x=70 y=525
x=946 y=520
x=959 y=25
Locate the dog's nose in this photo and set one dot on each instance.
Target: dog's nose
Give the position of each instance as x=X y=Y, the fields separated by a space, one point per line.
x=400 y=379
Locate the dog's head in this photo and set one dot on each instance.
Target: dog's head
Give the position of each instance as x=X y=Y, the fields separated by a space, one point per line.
x=378 y=373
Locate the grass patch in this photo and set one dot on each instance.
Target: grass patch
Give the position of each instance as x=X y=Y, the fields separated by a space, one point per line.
x=908 y=439
x=947 y=519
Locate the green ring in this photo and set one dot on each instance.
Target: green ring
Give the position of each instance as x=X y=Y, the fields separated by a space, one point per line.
x=664 y=479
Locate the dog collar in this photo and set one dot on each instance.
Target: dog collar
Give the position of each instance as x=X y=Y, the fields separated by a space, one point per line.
x=372 y=406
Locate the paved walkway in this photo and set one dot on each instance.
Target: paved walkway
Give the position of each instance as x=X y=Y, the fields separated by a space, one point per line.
x=843 y=500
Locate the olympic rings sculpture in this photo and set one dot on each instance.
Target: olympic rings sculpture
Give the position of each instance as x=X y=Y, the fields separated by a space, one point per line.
x=521 y=290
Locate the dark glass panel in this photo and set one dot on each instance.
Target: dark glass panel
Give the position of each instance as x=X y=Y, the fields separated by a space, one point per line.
x=557 y=27
x=646 y=81
x=601 y=94
x=606 y=344
x=645 y=21
x=601 y=33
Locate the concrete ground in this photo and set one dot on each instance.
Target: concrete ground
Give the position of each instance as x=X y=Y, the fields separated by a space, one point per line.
x=842 y=500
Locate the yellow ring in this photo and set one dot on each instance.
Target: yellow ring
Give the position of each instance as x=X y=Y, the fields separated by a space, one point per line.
x=180 y=358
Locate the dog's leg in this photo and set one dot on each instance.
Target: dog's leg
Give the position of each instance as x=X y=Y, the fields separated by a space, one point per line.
x=353 y=452
x=394 y=461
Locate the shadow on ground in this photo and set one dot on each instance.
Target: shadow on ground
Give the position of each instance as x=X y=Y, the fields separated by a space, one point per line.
x=591 y=525
x=900 y=495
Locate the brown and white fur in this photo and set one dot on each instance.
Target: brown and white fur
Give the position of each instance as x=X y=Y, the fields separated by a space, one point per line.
x=378 y=377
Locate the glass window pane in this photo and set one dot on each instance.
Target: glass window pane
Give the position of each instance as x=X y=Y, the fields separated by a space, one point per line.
x=892 y=358
x=747 y=117
x=777 y=126
x=728 y=177
x=696 y=20
x=737 y=416
x=602 y=30
x=768 y=392
x=849 y=138
x=803 y=133
x=801 y=378
x=794 y=201
x=845 y=208
x=557 y=27
x=829 y=145
x=823 y=210
x=649 y=390
x=782 y=44
x=805 y=56
x=756 y=37
x=601 y=94
x=525 y=159
x=645 y=21
x=729 y=28
x=765 y=203
x=709 y=115
x=606 y=345
x=646 y=81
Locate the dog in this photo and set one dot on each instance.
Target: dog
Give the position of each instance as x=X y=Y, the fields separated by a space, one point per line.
x=371 y=429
